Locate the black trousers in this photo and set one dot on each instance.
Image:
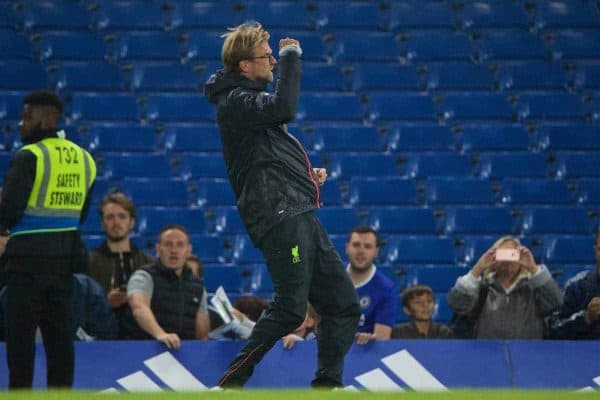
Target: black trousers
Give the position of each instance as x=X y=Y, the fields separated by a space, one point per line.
x=304 y=266
x=39 y=299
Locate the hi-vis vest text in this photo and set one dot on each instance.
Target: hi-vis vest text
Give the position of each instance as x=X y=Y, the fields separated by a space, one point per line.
x=63 y=175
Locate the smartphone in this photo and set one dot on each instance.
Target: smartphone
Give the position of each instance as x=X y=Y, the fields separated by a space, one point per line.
x=507 y=255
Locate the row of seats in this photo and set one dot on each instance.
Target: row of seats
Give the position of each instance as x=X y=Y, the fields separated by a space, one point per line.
x=384 y=15
x=360 y=77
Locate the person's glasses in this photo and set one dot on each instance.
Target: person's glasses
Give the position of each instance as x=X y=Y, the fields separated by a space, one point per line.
x=266 y=56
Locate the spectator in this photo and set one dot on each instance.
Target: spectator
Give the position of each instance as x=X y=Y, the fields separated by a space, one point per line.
x=515 y=294
x=375 y=291
x=579 y=316
x=306 y=331
x=196 y=265
x=167 y=301
x=113 y=262
x=251 y=306
x=418 y=303
x=246 y=309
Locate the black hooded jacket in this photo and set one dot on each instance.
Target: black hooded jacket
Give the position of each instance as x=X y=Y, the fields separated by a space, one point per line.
x=268 y=168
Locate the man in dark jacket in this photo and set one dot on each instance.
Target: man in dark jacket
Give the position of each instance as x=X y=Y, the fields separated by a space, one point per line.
x=45 y=196
x=277 y=192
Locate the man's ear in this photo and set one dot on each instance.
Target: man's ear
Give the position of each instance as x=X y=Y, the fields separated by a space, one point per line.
x=243 y=65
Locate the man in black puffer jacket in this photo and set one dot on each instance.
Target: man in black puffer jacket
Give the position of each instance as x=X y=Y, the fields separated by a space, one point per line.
x=277 y=192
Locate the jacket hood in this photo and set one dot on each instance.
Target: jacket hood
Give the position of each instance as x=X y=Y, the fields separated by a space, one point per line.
x=224 y=81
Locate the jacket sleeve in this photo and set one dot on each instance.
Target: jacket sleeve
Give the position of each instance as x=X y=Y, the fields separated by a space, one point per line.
x=18 y=184
x=462 y=298
x=99 y=319
x=268 y=109
x=548 y=296
x=569 y=322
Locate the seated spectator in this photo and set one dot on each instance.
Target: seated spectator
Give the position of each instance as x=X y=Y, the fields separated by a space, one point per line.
x=376 y=292
x=514 y=293
x=113 y=262
x=196 y=265
x=418 y=303
x=167 y=301
x=579 y=316
x=246 y=309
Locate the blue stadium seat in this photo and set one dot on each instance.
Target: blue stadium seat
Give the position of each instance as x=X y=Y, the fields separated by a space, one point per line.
x=350 y=15
x=420 y=249
x=434 y=164
x=165 y=77
x=213 y=192
x=458 y=191
x=260 y=279
x=92 y=225
x=206 y=14
x=569 y=137
x=384 y=76
x=440 y=278
x=244 y=252
x=148 y=46
x=156 y=191
x=19 y=75
x=11 y=105
x=4 y=161
x=93 y=76
x=382 y=191
x=406 y=220
x=569 y=249
x=349 y=165
x=347 y=137
x=416 y=14
x=329 y=106
x=485 y=14
x=551 y=105
x=56 y=15
x=152 y=219
x=563 y=273
x=401 y=106
x=435 y=45
x=14 y=45
x=537 y=191
x=282 y=14
x=476 y=105
x=442 y=312
x=370 y=46
x=201 y=165
x=120 y=165
x=9 y=17
x=420 y=137
x=180 y=107
x=102 y=187
x=496 y=137
x=568 y=44
x=574 y=165
x=209 y=248
x=119 y=16
x=227 y=276
x=104 y=106
x=475 y=246
x=93 y=241
x=588 y=191
x=480 y=220
x=313 y=46
x=510 y=44
x=338 y=220
x=72 y=45
x=122 y=137
x=566 y=14
x=193 y=137
x=512 y=164
x=203 y=45
x=227 y=220
x=459 y=76
x=588 y=76
x=557 y=220
x=332 y=194
x=533 y=75
x=322 y=77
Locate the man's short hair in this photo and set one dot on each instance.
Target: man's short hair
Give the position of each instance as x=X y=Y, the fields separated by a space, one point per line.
x=414 y=291
x=178 y=227
x=120 y=199
x=362 y=229
x=240 y=42
x=44 y=98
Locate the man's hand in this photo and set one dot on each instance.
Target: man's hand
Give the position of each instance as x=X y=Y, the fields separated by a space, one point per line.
x=171 y=340
x=290 y=340
x=287 y=41
x=527 y=260
x=593 y=310
x=364 y=337
x=320 y=175
x=3 y=241
x=116 y=298
x=484 y=262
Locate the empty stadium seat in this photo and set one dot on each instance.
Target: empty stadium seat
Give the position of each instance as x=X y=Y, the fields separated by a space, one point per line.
x=338 y=220
x=227 y=220
x=557 y=220
x=202 y=165
x=260 y=279
x=119 y=15
x=193 y=137
x=104 y=106
x=202 y=15
x=458 y=191
x=93 y=76
x=442 y=312
x=165 y=77
x=475 y=246
x=476 y=105
x=227 y=276
x=511 y=44
x=72 y=45
x=420 y=137
x=569 y=249
x=203 y=45
x=512 y=164
x=422 y=249
x=386 y=76
x=244 y=251
x=423 y=165
x=588 y=76
x=440 y=278
x=429 y=45
x=137 y=45
x=92 y=225
x=138 y=165
x=349 y=15
x=213 y=192
x=565 y=14
x=416 y=14
x=569 y=137
x=347 y=137
x=11 y=105
x=481 y=220
x=551 y=105
x=348 y=165
x=93 y=241
x=459 y=76
x=588 y=191
x=209 y=248
x=14 y=45
x=401 y=106
x=533 y=75
x=277 y=14
x=56 y=15
x=9 y=18
x=407 y=220
x=180 y=107
x=314 y=47
x=329 y=106
x=485 y=14
x=370 y=46
x=574 y=165
x=332 y=194
x=569 y=44
x=102 y=187
x=321 y=77
x=382 y=191
x=536 y=191
x=122 y=137
x=22 y=75
x=156 y=191
x=152 y=219
x=496 y=137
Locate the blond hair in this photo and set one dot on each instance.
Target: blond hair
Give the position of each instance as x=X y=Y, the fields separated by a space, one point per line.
x=240 y=42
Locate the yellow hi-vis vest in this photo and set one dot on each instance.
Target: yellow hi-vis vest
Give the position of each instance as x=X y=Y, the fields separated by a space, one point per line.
x=64 y=173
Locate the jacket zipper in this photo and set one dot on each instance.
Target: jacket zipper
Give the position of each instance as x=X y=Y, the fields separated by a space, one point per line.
x=310 y=174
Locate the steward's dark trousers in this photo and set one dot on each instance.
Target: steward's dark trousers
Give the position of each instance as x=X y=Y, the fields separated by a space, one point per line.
x=304 y=266
x=39 y=299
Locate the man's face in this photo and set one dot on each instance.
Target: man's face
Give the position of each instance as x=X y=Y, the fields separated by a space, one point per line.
x=260 y=67
x=32 y=120
x=173 y=249
x=420 y=308
x=116 y=221
x=361 y=250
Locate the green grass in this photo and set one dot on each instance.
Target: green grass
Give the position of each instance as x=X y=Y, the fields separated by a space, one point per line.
x=309 y=395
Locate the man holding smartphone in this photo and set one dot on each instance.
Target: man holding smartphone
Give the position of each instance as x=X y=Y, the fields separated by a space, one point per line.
x=507 y=293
